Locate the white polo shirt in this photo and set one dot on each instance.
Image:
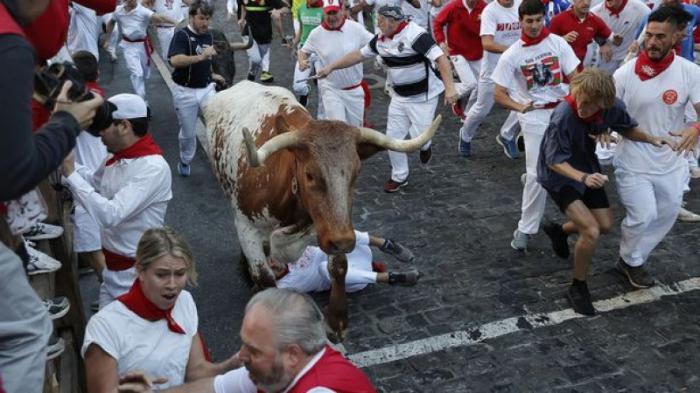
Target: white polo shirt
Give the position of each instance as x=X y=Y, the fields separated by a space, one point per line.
x=625 y=24
x=331 y=45
x=658 y=104
x=133 y=24
x=139 y=344
x=504 y=25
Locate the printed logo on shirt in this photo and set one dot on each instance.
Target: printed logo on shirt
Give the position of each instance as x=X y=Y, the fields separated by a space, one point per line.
x=400 y=47
x=200 y=49
x=545 y=72
x=508 y=26
x=670 y=97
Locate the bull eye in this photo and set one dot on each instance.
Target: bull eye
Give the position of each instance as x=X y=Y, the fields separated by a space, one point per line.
x=309 y=177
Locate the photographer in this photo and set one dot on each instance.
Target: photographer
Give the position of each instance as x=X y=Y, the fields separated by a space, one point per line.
x=25 y=160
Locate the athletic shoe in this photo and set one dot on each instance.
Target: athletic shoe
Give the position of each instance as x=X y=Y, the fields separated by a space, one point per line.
x=41 y=231
x=57 y=307
x=523 y=179
x=184 y=169
x=95 y=306
x=465 y=148
x=393 y=186
x=558 y=237
x=251 y=77
x=519 y=241
x=40 y=263
x=425 y=155
x=266 y=77
x=686 y=215
x=580 y=299
x=509 y=147
x=55 y=348
x=458 y=109
x=520 y=141
x=637 y=276
x=408 y=279
x=400 y=252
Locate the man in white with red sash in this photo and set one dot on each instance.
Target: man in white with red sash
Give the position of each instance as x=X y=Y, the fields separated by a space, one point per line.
x=126 y=195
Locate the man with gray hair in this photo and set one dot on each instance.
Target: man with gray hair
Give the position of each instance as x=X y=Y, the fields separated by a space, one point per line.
x=283 y=349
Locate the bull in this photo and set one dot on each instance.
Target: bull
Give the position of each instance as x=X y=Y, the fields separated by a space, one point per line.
x=289 y=179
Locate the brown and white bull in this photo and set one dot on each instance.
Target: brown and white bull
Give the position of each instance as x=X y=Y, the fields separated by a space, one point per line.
x=290 y=178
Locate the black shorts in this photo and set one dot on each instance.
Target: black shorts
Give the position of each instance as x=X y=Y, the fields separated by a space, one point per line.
x=593 y=198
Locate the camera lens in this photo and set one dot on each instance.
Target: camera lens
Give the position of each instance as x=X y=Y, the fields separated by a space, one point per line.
x=103 y=118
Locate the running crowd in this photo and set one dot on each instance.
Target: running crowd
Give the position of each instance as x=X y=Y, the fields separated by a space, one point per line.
x=586 y=85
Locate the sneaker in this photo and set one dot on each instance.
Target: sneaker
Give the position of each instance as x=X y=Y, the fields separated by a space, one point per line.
x=523 y=179
x=266 y=77
x=251 y=77
x=55 y=348
x=465 y=148
x=458 y=109
x=393 y=186
x=519 y=241
x=400 y=252
x=57 y=307
x=558 y=237
x=183 y=169
x=41 y=231
x=580 y=298
x=520 y=141
x=686 y=215
x=408 y=279
x=425 y=155
x=509 y=147
x=40 y=263
x=637 y=276
x=95 y=306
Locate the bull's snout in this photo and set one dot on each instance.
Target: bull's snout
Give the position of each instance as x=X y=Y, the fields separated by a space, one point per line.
x=342 y=243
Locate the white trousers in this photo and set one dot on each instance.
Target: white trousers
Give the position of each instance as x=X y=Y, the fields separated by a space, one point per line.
x=652 y=203
x=165 y=36
x=343 y=105
x=481 y=108
x=359 y=272
x=407 y=118
x=115 y=284
x=188 y=104
x=138 y=65
x=467 y=72
x=534 y=196
x=258 y=58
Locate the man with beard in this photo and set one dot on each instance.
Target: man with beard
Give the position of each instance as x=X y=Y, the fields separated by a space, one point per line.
x=656 y=88
x=529 y=80
x=283 y=349
x=580 y=27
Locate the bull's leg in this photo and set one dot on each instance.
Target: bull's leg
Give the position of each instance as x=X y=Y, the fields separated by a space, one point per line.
x=252 y=246
x=338 y=303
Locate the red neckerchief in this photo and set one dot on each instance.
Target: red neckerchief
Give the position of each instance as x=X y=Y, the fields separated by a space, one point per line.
x=616 y=12
x=544 y=33
x=325 y=25
x=316 y=4
x=145 y=146
x=8 y=24
x=646 y=68
x=93 y=86
x=137 y=302
x=401 y=26
x=594 y=118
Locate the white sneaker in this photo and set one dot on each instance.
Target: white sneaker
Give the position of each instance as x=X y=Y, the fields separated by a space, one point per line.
x=41 y=231
x=686 y=215
x=694 y=172
x=40 y=263
x=55 y=348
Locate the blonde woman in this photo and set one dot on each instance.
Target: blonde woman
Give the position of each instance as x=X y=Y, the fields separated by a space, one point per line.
x=154 y=326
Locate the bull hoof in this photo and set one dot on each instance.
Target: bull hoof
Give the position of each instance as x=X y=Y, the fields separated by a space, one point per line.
x=336 y=328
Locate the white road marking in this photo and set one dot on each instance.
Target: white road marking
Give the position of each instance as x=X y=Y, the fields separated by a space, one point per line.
x=506 y=326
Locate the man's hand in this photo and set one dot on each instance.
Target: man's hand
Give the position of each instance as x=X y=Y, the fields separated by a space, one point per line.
x=606 y=52
x=571 y=36
x=595 y=180
x=138 y=382
x=445 y=48
x=604 y=139
x=68 y=165
x=218 y=78
x=633 y=50
x=241 y=25
x=451 y=95
x=304 y=63
x=323 y=72
x=528 y=107
x=689 y=139
x=208 y=52
x=83 y=112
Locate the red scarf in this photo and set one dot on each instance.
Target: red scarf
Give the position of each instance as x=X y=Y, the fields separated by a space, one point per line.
x=94 y=87
x=137 y=302
x=401 y=26
x=325 y=25
x=646 y=68
x=544 y=33
x=594 y=118
x=616 y=12
x=145 y=146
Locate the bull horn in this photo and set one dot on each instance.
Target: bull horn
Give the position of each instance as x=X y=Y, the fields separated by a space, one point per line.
x=257 y=156
x=368 y=135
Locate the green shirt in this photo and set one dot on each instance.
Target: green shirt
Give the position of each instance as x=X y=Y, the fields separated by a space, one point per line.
x=309 y=18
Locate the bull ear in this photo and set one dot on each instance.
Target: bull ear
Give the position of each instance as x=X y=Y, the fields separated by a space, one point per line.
x=367 y=150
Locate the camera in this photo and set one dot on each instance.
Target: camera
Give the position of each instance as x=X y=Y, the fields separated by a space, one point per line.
x=48 y=81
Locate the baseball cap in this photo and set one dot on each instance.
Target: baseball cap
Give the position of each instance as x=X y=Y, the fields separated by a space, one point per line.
x=391 y=11
x=129 y=106
x=331 y=5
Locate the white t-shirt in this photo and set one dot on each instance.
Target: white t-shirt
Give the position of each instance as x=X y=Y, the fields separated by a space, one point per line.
x=625 y=25
x=419 y=16
x=331 y=45
x=133 y=24
x=138 y=344
x=658 y=104
x=83 y=31
x=504 y=25
x=536 y=73
x=170 y=8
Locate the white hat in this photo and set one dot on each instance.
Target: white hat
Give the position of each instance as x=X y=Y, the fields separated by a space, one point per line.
x=129 y=106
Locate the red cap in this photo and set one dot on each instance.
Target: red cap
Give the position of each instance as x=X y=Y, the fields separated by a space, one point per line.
x=331 y=5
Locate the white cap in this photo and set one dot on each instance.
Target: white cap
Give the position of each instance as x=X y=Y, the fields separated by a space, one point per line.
x=129 y=106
